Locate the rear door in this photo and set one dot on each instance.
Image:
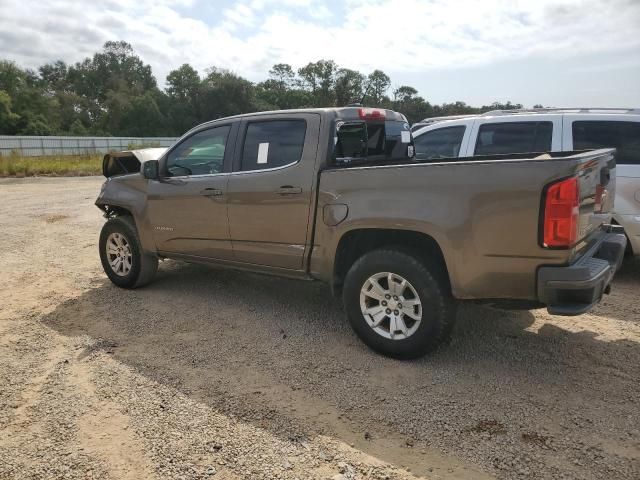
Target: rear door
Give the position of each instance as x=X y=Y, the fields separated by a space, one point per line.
x=187 y=204
x=513 y=134
x=271 y=188
x=622 y=132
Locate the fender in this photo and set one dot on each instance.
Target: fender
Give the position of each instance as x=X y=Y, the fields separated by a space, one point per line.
x=128 y=193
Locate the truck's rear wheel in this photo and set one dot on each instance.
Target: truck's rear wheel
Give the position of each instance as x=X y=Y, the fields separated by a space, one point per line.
x=121 y=254
x=397 y=305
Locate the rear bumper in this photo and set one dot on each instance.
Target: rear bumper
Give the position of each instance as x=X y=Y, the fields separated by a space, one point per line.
x=575 y=289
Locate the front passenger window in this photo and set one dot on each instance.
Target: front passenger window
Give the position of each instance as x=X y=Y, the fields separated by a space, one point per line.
x=200 y=154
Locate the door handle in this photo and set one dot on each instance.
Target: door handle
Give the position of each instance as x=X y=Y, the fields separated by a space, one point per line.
x=211 y=192
x=289 y=190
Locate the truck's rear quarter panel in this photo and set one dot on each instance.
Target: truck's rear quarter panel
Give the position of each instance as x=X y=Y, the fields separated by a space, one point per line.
x=484 y=215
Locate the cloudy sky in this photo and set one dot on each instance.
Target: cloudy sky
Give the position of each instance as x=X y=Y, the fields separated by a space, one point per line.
x=555 y=52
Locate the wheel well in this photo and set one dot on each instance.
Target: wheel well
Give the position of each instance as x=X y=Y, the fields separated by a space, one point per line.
x=356 y=243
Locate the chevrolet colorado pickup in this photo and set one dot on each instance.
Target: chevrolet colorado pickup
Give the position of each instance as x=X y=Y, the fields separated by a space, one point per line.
x=337 y=195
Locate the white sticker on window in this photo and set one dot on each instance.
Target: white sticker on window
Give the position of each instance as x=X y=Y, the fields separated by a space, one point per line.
x=405 y=136
x=263 y=152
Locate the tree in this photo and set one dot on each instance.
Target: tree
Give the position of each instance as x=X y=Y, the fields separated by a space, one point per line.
x=12 y=78
x=224 y=93
x=184 y=90
x=283 y=75
x=54 y=77
x=115 y=68
x=32 y=111
x=281 y=90
x=349 y=86
x=379 y=83
x=319 y=78
x=183 y=83
x=77 y=128
x=404 y=93
x=114 y=92
x=501 y=106
x=8 y=119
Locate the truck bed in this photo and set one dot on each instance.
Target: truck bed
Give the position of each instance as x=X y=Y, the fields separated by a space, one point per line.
x=483 y=212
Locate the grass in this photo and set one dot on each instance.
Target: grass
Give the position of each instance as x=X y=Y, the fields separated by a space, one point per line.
x=53 y=166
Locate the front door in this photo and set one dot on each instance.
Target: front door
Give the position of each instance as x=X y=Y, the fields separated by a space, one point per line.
x=187 y=205
x=271 y=187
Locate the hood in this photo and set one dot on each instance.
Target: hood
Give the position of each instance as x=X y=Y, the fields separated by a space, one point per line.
x=128 y=161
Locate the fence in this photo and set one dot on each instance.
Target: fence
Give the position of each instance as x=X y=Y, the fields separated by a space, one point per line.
x=39 y=146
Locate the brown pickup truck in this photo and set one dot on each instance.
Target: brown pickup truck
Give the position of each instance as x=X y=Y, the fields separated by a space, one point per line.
x=337 y=195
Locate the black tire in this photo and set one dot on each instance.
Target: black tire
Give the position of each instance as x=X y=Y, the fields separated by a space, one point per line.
x=143 y=266
x=438 y=306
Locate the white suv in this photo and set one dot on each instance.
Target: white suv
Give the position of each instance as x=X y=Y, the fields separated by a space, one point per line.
x=546 y=130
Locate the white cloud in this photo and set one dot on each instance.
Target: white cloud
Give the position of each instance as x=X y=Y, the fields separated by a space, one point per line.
x=248 y=37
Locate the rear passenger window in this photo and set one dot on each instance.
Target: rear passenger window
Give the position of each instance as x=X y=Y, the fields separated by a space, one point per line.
x=271 y=144
x=624 y=136
x=439 y=143
x=515 y=137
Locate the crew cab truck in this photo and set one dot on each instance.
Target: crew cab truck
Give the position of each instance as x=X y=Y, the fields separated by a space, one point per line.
x=337 y=195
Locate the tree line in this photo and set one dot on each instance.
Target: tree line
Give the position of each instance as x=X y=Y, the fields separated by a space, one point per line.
x=114 y=93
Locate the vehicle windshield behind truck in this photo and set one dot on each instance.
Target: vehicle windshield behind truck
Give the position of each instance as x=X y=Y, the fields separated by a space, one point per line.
x=369 y=141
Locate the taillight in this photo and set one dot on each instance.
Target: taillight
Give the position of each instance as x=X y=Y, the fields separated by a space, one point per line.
x=561 y=213
x=371 y=114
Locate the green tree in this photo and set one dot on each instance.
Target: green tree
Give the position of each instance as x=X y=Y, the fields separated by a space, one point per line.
x=36 y=111
x=501 y=106
x=319 y=79
x=8 y=119
x=282 y=75
x=115 y=93
x=282 y=90
x=77 y=128
x=115 y=69
x=378 y=85
x=349 y=86
x=184 y=91
x=404 y=93
x=116 y=66
x=224 y=93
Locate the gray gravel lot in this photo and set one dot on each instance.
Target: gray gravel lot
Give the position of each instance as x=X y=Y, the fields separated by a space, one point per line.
x=210 y=373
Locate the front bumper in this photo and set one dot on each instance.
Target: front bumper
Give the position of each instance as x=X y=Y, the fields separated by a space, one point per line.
x=577 y=288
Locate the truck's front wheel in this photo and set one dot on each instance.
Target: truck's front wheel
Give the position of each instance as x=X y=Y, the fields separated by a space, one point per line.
x=397 y=305
x=123 y=259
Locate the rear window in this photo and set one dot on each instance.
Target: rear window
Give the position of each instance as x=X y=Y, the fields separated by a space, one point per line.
x=624 y=136
x=440 y=143
x=388 y=140
x=514 y=137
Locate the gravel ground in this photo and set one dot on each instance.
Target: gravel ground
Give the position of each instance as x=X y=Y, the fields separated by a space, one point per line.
x=226 y=375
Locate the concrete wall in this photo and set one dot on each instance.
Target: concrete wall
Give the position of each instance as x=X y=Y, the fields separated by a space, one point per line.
x=39 y=146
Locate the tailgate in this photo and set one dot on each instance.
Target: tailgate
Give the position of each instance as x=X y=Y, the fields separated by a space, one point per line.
x=597 y=183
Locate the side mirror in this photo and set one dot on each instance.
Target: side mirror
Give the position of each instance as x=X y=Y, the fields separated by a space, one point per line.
x=151 y=169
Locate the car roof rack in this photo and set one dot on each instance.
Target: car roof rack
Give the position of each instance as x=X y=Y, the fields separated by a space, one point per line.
x=561 y=110
x=429 y=120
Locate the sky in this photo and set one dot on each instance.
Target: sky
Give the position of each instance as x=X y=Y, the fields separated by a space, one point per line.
x=553 y=52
